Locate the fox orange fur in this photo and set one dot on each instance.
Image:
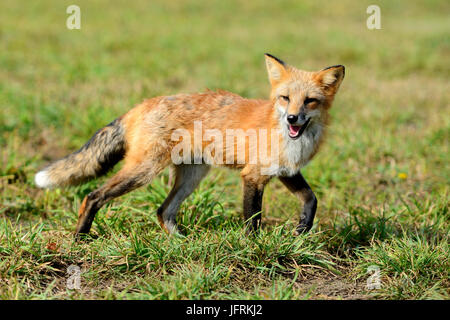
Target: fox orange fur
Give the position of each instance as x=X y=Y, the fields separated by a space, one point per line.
x=292 y=122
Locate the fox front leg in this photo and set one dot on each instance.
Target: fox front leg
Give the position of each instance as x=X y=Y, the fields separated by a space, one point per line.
x=252 y=203
x=299 y=187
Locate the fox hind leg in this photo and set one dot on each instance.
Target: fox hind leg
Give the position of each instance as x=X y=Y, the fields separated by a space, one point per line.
x=187 y=179
x=127 y=179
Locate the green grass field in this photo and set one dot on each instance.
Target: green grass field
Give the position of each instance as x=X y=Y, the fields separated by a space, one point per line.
x=382 y=177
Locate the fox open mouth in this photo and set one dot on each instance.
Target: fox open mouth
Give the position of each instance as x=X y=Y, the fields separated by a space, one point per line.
x=296 y=131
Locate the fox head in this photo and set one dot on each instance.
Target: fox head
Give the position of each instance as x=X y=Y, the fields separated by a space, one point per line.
x=300 y=96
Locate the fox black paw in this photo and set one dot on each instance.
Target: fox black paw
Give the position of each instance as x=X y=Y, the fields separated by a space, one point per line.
x=84 y=237
x=302 y=228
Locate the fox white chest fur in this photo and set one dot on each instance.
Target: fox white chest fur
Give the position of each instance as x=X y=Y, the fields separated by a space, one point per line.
x=297 y=153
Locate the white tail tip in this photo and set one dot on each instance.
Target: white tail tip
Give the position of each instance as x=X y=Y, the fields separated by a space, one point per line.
x=42 y=180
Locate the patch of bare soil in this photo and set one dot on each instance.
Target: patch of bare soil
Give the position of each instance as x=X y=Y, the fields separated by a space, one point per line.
x=333 y=287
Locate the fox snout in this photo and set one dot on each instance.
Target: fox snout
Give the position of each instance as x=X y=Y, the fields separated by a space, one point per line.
x=297 y=124
x=297 y=119
x=296 y=130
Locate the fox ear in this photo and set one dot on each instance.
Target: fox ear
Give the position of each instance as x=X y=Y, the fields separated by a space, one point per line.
x=275 y=68
x=331 y=77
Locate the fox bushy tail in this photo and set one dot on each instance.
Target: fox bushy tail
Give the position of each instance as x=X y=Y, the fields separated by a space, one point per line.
x=95 y=158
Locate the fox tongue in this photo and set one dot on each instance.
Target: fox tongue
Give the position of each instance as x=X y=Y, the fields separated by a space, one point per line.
x=293 y=130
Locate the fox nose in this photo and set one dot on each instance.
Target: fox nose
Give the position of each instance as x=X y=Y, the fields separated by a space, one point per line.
x=292 y=118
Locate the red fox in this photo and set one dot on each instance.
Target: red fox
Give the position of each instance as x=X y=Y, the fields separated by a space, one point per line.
x=289 y=127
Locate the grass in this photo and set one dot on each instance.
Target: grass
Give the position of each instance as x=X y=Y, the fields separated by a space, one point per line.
x=381 y=178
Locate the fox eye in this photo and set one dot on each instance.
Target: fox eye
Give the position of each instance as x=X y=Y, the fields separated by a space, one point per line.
x=310 y=100
x=285 y=98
